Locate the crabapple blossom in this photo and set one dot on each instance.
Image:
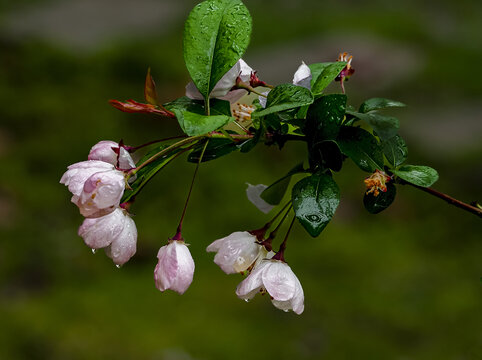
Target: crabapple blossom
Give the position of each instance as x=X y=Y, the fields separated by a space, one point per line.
x=104 y=151
x=96 y=186
x=222 y=90
x=237 y=252
x=253 y=192
x=175 y=268
x=277 y=279
x=116 y=232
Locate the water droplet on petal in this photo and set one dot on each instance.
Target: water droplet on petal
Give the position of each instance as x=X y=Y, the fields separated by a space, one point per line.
x=286 y=310
x=94 y=251
x=247 y=300
x=118 y=266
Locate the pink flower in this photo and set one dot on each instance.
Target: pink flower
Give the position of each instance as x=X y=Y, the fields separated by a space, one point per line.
x=222 y=90
x=116 y=232
x=236 y=252
x=277 y=279
x=104 y=151
x=96 y=186
x=175 y=268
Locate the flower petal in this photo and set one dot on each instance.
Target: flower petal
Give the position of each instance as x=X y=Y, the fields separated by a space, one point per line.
x=123 y=247
x=100 y=232
x=279 y=280
x=303 y=76
x=253 y=193
x=253 y=283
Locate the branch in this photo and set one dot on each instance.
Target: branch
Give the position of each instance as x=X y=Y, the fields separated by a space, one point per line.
x=461 y=205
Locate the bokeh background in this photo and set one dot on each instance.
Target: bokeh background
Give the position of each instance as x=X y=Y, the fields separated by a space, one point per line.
x=404 y=284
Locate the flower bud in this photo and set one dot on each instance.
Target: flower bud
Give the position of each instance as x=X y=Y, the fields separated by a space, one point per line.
x=236 y=252
x=175 y=268
x=116 y=232
x=104 y=151
x=277 y=279
x=223 y=89
x=302 y=76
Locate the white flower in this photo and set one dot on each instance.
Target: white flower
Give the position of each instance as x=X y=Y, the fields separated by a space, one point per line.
x=302 y=77
x=236 y=252
x=96 y=186
x=222 y=90
x=104 y=151
x=253 y=192
x=116 y=232
x=175 y=268
x=276 y=278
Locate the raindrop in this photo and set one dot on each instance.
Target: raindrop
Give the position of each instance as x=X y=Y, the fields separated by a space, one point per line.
x=247 y=300
x=313 y=218
x=285 y=310
x=118 y=266
x=94 y=251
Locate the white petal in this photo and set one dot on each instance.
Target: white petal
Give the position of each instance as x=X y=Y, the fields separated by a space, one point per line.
x=192 y=92
x=263 y=99
x=123 y=247
x=76 y=175
x=100 y=232
x=253 y=283
x=303 y=76
x=279 y=280
x=253 y=192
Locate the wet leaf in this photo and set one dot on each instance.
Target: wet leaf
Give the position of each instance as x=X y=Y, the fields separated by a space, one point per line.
x=216 y=34
x=274 y=193
x=362 y=147
x=323 y=74
x=315 y=199
x=325 y=116
x=395 y=150
x=194 y=124
x=386 y=127
x=376 y=204
x=379 y=103
x=284 y=97
x=215 y=149
x=424 y=176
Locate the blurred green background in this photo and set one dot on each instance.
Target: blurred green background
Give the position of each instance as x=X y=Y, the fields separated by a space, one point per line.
x=401 y=285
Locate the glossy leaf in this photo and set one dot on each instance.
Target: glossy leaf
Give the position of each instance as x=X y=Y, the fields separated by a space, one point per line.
x=215 y=149
x=315 y=199
x=376 y=204
x=385 y=127
x=395 y=150
x=362 y=147
x=194 y=124
x=216 y=34
x=274 y=193
x=379 y=103
x=423 y=176
x=323 y=74
x=325 y=116
x=218 y=107
x=284 y=97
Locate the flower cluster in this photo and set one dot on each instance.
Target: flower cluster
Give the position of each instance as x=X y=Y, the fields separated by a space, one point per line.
x=377 y=182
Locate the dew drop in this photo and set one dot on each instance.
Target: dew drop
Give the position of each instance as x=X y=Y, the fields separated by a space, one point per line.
x=94 y=251
x=118 y=266
x=285 y=310
x=247 y=300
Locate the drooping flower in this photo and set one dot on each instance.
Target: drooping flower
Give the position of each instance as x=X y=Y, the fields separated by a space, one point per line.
x=175 y=268
x=224 y=88
x=377 y=182
x=237 y=252
x=112 y=153
x=277 y=279
x=302 y=77
x=96 y=186
x=348 y=69
x=253 y=192
x=116 y=232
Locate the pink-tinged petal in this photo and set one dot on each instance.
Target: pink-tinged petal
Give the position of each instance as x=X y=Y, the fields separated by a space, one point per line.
x=238 y=251
x=234 y=95
x=253 y=192
x=100 y=232
x=279 y=281
x=253 y=283
x=303 y=76
x=76 y=175
x=103 y=151
x=123 y=247
x=175 y=268
x=298 y=301
x=192 y=92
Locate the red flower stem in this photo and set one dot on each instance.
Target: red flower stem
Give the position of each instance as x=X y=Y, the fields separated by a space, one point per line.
x=273 y=233
x=280 y=255
x=452 y=201
x=178 y=235
x=135 y=148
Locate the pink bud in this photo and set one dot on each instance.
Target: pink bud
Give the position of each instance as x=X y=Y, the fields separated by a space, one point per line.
x=103 y=151
x=175 y=268
x=276 y=278
x=236 y=252
x=115 y=231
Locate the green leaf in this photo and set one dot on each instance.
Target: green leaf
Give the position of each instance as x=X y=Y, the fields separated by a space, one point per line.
x=315 y=199
x=215 y=149
x=325 y=116
x=218 y=107
x=395 y=150
x=331 y=155
x=274 y=193
x=379 y=103
x=194 y=124
x=147 y=172
x=216 y=34
x=423 y=176
x=386 y=127
x=323 y=74
x=284 y=97
x=362 y=147
x=376 y=204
